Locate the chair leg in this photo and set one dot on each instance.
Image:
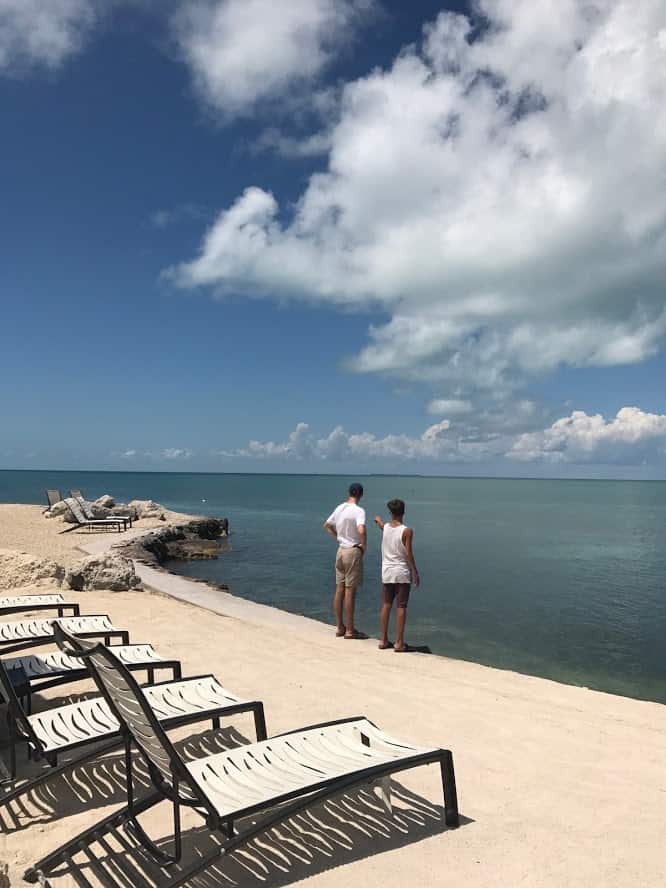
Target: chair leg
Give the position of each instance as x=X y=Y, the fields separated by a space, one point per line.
x=260 y=722
x=451 y=815
x=134 y=828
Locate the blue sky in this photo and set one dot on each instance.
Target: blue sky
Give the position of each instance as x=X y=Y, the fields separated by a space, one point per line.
x=361 y=236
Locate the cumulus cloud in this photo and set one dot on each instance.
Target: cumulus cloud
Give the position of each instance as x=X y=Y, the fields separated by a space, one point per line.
x=437 y=442
x=169 y=453
x=449 y=406
x=43 y=32
x=243 y=51
x=500 y=196
x=632 y=436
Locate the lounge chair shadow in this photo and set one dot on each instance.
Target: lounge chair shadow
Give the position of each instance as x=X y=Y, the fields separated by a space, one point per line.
x=344 y=829
x=99 y=782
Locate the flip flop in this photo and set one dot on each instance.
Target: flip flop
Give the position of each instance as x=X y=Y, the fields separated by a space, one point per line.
x=383 y=647
x=402 y=650
x=340 y=632
x=355 y=634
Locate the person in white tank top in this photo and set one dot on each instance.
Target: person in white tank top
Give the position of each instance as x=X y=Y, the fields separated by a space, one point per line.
x=398 y=573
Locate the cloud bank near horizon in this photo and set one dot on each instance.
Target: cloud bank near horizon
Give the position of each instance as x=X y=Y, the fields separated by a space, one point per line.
x=632 y=437
x=496 y=194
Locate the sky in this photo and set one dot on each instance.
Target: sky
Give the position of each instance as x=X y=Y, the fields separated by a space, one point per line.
x=344 y=236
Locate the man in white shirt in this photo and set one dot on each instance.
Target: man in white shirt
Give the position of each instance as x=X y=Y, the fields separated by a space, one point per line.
x=347 y=526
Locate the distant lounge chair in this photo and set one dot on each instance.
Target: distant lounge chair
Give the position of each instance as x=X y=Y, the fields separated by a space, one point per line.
x=91 y=523
x=90 y=515
x=18 y=636
x=76 y=494
x=14 y=604
x=52 y=497
x=292 y=771
x=37 y=672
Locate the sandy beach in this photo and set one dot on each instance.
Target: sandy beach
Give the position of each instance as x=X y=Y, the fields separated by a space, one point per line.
x=557 y=785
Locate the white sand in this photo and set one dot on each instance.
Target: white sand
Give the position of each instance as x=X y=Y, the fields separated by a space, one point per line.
x=558 y=785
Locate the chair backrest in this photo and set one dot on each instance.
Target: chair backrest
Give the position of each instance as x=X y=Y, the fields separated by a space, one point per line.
x=85 y=508
x=8 y=696
x=76 y=494
x=128 y=703
x=75 y=509
x=53 y=497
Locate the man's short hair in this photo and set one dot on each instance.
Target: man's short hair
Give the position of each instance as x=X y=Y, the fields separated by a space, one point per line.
x=396 y=507
x=356 y=489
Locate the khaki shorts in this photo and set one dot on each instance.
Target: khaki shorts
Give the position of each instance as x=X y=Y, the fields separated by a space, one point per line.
x=349 y=567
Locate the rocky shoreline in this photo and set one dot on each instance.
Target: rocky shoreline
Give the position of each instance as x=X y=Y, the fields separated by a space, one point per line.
x=180 y=537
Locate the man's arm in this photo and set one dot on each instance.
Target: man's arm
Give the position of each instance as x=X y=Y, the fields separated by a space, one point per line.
x=379 y=522
x=364 y=536
x=330 y=530
x=408 y=540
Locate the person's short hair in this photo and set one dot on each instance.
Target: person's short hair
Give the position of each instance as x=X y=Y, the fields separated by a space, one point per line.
x=356 y=489
x=396 y=507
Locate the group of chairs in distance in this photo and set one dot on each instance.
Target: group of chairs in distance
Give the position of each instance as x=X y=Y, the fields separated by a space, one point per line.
x=83 y=515
x=277 y=777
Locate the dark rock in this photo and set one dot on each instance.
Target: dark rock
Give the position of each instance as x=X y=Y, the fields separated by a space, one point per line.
x=184 y=550
x=154 y=547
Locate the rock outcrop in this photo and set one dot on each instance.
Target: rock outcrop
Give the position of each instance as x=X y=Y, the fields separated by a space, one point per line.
x=19 y=569
x=198 y=538
x=110 y=571
x=147 y=508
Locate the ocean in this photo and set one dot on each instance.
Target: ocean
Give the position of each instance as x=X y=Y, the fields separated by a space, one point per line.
x=559 y=579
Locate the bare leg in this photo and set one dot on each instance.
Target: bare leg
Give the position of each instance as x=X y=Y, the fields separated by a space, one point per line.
x=338 y=601
x=384 y=617
x=400 y=620
x=350 y=601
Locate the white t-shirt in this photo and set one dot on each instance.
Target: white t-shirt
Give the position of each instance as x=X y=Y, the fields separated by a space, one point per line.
x=346 y=519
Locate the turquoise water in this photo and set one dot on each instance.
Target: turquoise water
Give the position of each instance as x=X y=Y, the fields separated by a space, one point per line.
x=562 y=579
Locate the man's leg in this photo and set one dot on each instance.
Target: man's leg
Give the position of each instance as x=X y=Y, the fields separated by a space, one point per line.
x=400 y=620
x=402 y=595
x=350 y=602
x=385 y=615
x=338 y=601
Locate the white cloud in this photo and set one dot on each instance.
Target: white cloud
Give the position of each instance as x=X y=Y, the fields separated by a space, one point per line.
x=42 y=32
x=175 y=453
x=449 y=406
x=501 y=199
x=631 y=437
x=170 y=453
x=244 y=51
x=438 y=442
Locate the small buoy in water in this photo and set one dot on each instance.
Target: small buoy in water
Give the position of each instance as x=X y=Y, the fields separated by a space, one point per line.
x=203 y=500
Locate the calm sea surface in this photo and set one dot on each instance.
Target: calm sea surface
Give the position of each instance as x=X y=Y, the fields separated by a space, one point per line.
x=562 y=579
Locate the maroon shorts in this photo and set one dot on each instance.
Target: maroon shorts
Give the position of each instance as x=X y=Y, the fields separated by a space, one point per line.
x=392 y=591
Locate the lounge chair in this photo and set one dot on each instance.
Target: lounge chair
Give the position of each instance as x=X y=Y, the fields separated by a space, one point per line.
x=37 y=672
x=91 y=523
x=90 y=725
x=90 y=515
x=292 y=771
x=22 y=634
x=76 y=494
x=14 y=604
x=52 y=497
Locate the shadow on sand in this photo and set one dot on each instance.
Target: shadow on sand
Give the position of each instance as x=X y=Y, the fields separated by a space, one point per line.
x=346 y=828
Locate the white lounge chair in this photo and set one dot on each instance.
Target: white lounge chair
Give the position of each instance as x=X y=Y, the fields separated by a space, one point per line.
x=292 y=771
x=14 y=604
x=22 y=634
x=80 y=519
x=56 y=732
x=37 y=672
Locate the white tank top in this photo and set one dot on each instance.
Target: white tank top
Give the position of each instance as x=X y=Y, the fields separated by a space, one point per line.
x=394 y=557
